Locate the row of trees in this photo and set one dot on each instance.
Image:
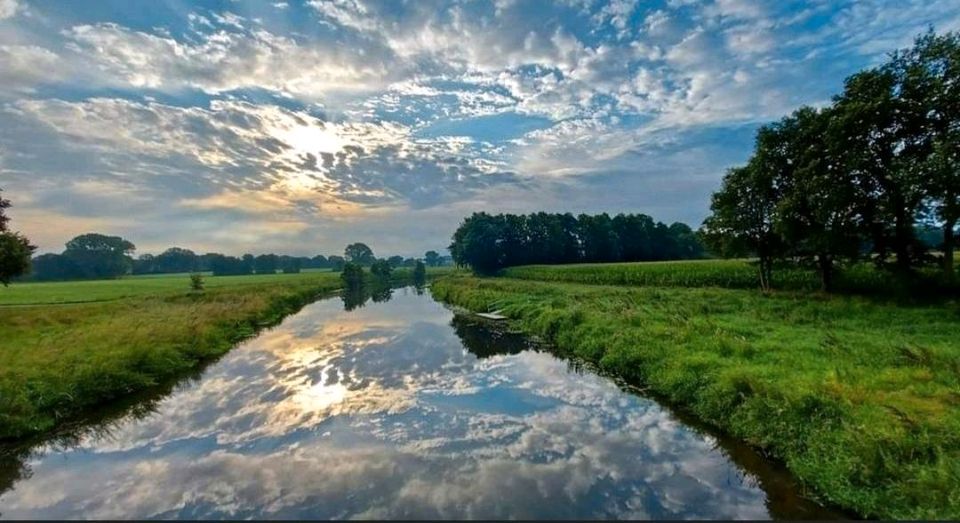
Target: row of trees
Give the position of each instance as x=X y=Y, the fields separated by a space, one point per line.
x=488 y=243
x=98 y=256
x=852 y=180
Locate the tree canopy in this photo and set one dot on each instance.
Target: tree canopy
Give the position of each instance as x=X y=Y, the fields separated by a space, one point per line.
x=488 y=243
x=854 y=179
x=359 y=253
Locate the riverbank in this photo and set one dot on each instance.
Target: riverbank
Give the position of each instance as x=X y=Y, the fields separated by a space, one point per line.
x=66 y=347
x=858 y=397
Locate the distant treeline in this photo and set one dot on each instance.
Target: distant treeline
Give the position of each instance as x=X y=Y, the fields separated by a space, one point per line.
x=98 y=256
x=488 y=243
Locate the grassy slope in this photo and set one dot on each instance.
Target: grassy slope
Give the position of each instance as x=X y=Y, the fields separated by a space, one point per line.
x=68 y=346
x=861 y=399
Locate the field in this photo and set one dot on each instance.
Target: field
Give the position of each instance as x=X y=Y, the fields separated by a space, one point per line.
x=730 y=274
x=68 y=346
x=45 y=293
x=860 y=397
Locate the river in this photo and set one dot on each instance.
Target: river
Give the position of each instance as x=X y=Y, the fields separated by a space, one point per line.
x=393 y=408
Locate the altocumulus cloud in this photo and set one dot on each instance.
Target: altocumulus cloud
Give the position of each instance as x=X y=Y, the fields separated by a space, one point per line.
x=298 y=126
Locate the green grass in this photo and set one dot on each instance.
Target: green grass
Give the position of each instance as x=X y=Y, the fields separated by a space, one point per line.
x=859 y=397
x=69 y=346
x=42 y=293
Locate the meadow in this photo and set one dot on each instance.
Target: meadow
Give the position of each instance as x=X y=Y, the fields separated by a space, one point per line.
x=858 y=396
x=68 y=346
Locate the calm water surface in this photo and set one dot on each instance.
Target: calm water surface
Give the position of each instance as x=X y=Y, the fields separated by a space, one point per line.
x=392 y=409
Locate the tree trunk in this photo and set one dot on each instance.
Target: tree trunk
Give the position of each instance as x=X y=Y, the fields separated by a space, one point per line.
x=902 y=236
x=826 y=272
x=766 y=271
x=948 y=242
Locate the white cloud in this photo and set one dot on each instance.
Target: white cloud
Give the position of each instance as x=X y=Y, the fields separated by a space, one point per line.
x=225 y=60
x=8 y=8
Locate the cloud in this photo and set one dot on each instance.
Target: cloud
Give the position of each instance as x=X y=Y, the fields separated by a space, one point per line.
x=305 y=117
x=8 y=8
x=234 y=56
x=384 y=413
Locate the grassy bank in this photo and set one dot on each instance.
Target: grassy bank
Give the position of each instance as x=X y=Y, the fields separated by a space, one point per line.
x=68 y=346
x=860 y=398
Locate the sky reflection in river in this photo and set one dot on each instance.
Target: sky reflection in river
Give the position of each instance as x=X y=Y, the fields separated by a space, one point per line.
x=382 y=411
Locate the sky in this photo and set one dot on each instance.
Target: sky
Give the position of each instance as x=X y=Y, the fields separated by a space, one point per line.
x=300 y=126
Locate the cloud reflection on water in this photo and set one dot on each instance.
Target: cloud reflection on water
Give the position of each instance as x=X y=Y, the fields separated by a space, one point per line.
x=382 y=412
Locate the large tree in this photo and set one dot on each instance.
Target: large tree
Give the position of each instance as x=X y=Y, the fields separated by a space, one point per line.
x=931 y=86
x=100 y=256
x=359 y=253
x=432 y=258
x=819 y=214
x=15 y=249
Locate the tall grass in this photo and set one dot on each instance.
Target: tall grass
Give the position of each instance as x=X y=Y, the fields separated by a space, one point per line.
x=859 y=397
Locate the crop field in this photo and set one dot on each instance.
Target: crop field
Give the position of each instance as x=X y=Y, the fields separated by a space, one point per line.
x=730 y=274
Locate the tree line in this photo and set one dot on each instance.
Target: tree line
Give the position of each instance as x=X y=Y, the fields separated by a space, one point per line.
x=855 y=179
x=488 y=243
x=100 y=256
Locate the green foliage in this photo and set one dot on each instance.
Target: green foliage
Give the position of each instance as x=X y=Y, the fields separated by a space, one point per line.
x=196 y=282
x=352 y=275
x=857 y=396
x=266 y=264
x=828 y=185
x=94 y=255
x=432 y=258
x=15 y=249
x=359 y=253
x=419 y=273
x=489 y=243
x=15 y=252
x=381 y=269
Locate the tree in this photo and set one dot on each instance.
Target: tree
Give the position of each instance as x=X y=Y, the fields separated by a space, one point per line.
x=818 y=214
x=878 y=152
x=51 y=267
x=352 y=275
x=419 y=274
x=266 y=264
x=743 y=218
x=336 y=263
x=15 y=249
x=359 y=253
x=395 y=261
x=100 y=256
x=175 y=260
x=320 y=262
x=229 y=265
x=932 y=87
x=196 y=282
x=432 y=258
x=15 y=252
x=290 y=265
x=599 y=242
x=4 y=219
x=381 y=269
